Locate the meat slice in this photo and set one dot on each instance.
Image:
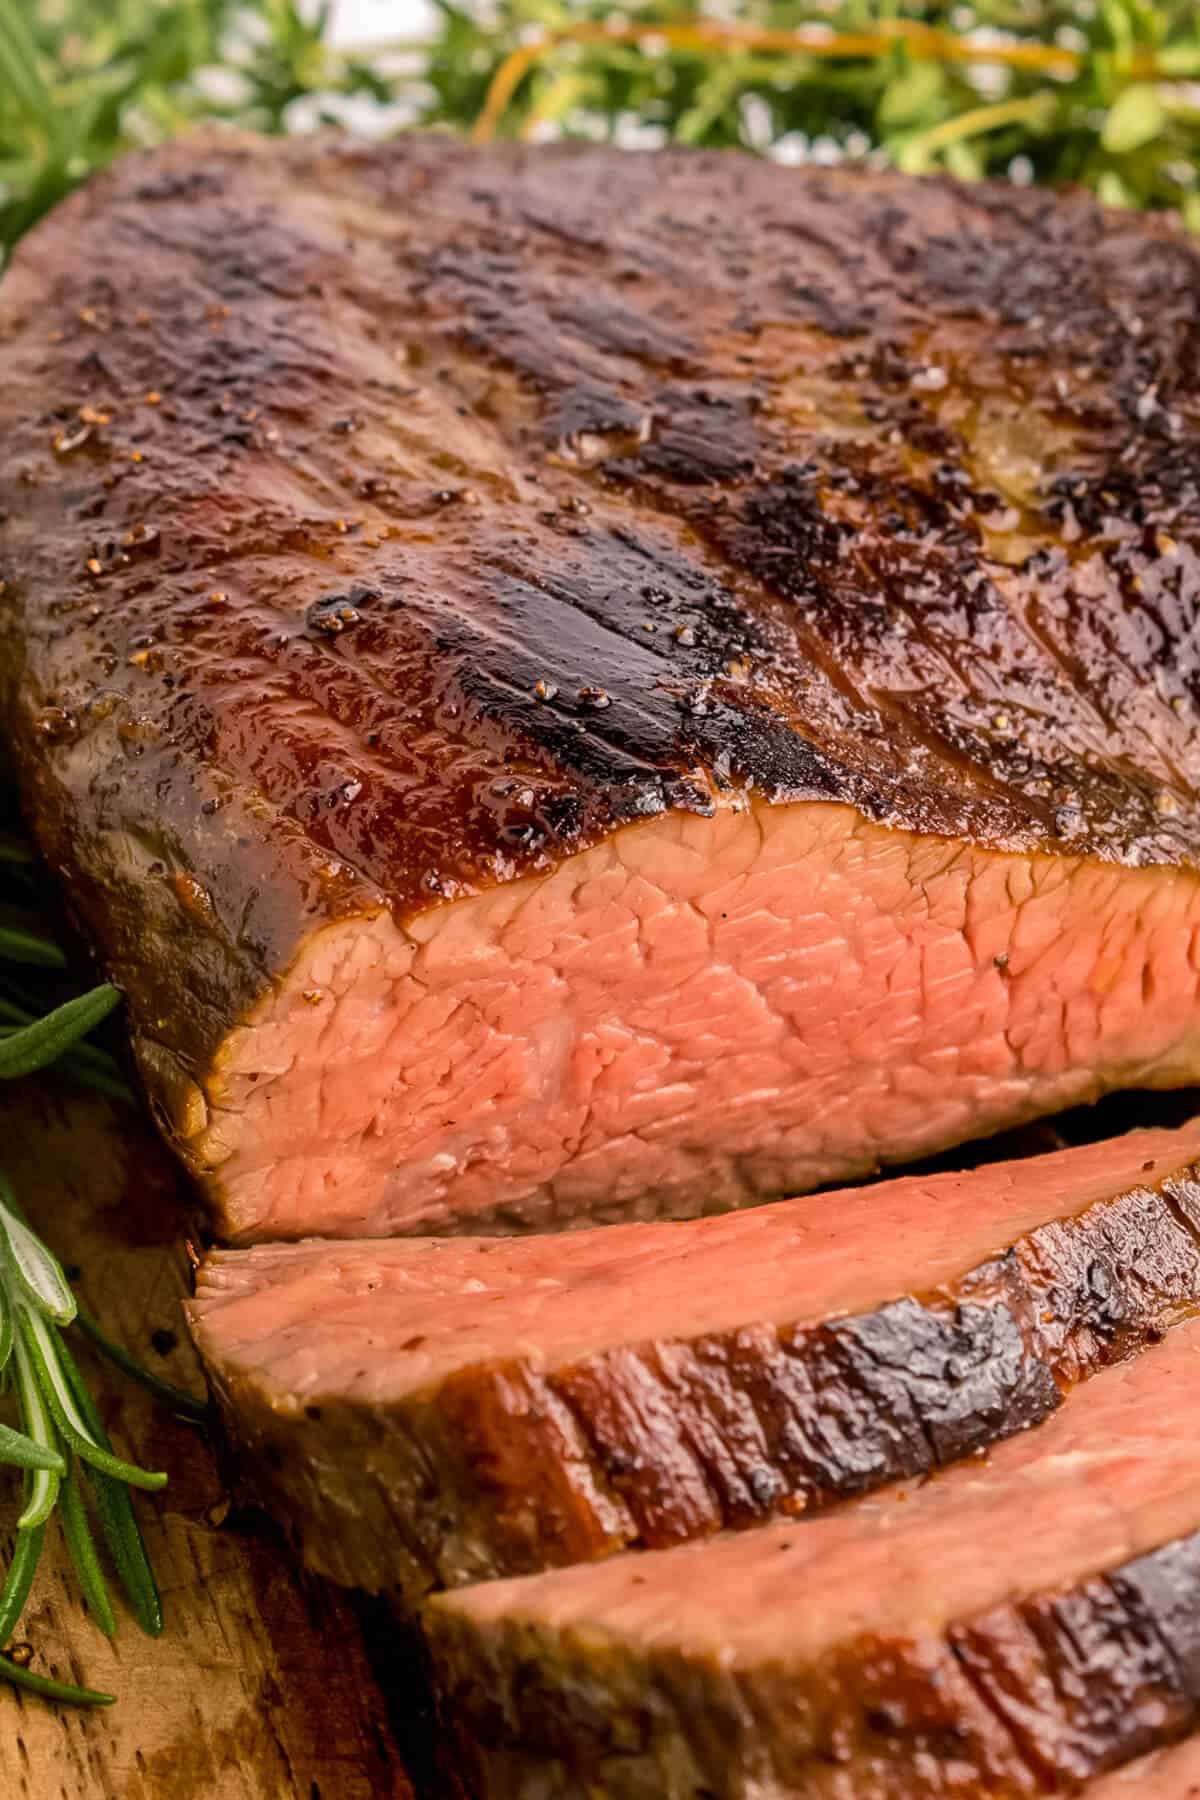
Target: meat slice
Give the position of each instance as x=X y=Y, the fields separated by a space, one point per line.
x=429 y=1411
x=570 y=685
x=1014 y=1627
x=1168 y=1775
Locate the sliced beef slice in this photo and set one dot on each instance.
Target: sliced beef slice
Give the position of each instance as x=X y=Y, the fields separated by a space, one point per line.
x=1016 y=1626
x=569 y=685
x=1168 y=1775
x=431 y=1411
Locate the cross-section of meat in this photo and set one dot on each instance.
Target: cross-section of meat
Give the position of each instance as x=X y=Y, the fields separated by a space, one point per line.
x=570 y=685
x=1168 y=1775
x=424 y=1412
x=1014 y=1627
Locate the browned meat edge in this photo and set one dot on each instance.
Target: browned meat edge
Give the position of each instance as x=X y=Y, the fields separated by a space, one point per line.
x=505 y=1470
x=1033 y=1697
x=241 y=377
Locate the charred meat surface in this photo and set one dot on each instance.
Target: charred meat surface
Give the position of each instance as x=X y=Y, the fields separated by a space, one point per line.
x=572 y=685
x=426 y=1412
x=1016 y=1626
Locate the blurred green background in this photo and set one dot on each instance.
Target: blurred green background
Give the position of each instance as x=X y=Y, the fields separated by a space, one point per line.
x=1106 y=92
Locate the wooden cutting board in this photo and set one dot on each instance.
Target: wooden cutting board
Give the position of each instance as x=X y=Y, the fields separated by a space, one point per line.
x=266 y=1685
x=262 y=1686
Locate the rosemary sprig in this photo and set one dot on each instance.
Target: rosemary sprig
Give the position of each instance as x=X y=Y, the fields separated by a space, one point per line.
x=63 y=1449
x=62 y=1442
x=1043 y=90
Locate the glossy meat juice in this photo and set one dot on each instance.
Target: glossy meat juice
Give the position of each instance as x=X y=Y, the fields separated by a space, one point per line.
x=572 y=686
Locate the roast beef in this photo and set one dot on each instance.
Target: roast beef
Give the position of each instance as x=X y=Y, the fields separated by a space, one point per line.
x=573 y=685
x=431 y=1411
x=1168 y=1775
x=1013 y=1627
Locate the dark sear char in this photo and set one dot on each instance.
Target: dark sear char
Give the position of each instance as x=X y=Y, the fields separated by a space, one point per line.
x=407 y=546
x=1017 y=1627
x=422 y=1413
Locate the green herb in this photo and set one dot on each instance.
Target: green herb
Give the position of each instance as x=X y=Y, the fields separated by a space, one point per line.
x=30 y=947
x=1041 y=90
x=1104 y=95
x=83 y=1063
x=63 y=1448
x=21 y=1677
x=63 y=1439
x=27 y=1048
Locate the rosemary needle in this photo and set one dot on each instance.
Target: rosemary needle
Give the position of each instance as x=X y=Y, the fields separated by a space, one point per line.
x=128 y=1551
x=84 y=1063
x=17 y=1583
x=88 y=1573
x=36 y=1046
x=20 y=1452
x=30 y=947
x=64 y=1439
x=177 y=1398
x=45 y=1354
x=52 y=1690
x=117 y=1518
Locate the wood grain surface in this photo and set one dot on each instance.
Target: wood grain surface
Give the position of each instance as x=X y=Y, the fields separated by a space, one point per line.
x=261 y=1687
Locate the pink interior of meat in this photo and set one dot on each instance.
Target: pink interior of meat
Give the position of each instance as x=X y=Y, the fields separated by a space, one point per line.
x=1113 y=1474
x=368 y=1321
x=1173 y=1774
x=693 y=1015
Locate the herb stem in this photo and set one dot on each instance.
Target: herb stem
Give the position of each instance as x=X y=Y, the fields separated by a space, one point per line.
x=27 y=1550
x=51 y=1690
x=44 y=1354
x=43 y=1484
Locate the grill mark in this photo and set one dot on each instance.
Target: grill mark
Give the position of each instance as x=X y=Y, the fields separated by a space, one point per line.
x=1083 y=1678
x=1036 y=1695
x=838 y=1407
x=964 y=272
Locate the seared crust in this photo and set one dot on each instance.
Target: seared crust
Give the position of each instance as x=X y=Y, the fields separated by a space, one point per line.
x=514 y=1467
x=433 y=511
x=1036 y=1696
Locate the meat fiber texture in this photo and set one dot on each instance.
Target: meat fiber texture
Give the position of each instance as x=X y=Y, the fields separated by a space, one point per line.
x=1015 y=1627
x=426 y=1412
x=569 y=685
